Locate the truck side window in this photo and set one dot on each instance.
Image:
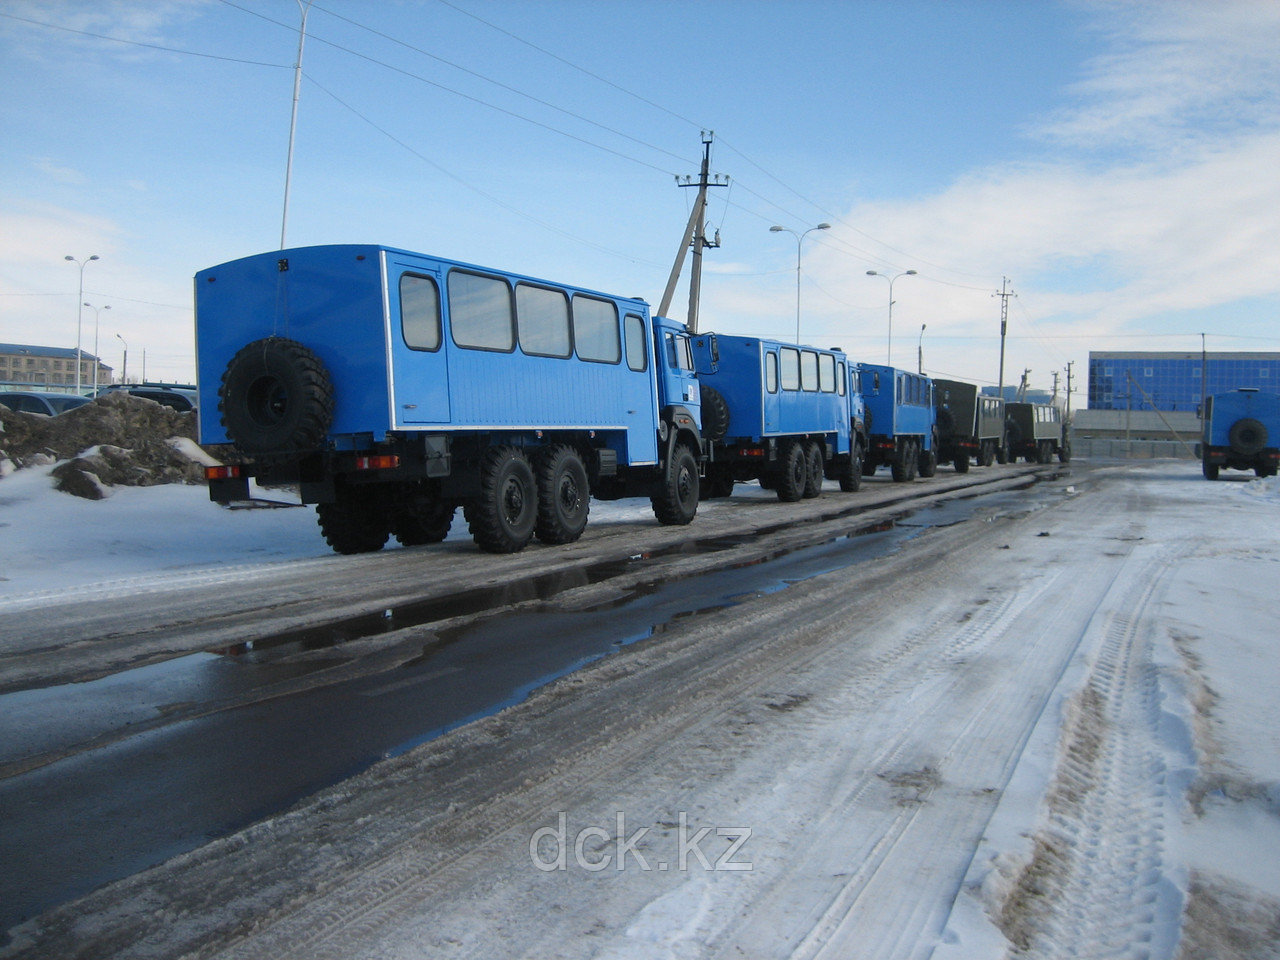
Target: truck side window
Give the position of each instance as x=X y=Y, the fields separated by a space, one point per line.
x=826 y=373
x=595 y=330
x=480 y=314
x=771 y=372
x=679 y=353
x=809 y=370
x=637 y=345
x=419 y=312
x=542 y=317
x=790 y=368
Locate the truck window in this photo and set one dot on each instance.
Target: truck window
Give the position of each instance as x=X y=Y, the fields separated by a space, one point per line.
x=809 y=370
x=840 y=378
x=480 y=314
x=790 y=363
x=542 y=318
x=637 y=345
x=419 y=312
x=771 y=372
x=595 y=330
x=826 y=373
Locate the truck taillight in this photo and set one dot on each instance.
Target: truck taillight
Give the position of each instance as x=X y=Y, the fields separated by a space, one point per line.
x=385 y=462
x=222 y=472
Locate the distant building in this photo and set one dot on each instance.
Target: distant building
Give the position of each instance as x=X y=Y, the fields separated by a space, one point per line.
x=1172 y=381
x=27 y=367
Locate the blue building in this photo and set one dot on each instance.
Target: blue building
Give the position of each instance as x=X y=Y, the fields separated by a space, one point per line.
x=1173 y=380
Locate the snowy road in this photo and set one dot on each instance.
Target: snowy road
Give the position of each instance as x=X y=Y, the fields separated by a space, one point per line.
x=1029 y=733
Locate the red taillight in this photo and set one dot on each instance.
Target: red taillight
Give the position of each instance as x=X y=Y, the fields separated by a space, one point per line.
x=751 y=451
x=386 y=462
x=222 y=473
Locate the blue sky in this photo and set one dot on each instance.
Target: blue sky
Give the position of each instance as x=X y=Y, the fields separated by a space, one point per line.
x=1117 y=161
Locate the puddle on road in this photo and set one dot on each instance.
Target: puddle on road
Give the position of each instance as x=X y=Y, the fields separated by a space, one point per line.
x=157 y=792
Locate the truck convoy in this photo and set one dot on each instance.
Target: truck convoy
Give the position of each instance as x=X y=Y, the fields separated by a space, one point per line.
x=1241 y=431
x=393 y=387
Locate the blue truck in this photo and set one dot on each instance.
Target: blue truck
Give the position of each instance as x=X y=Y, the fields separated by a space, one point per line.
x=900 y=422
x=774 y=412
x=1241 y=431
x=393 y=387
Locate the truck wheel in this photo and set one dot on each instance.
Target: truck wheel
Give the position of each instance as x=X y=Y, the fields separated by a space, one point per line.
x=927 y=463
x=355 y=523
x=1046 y=451
x=813 y=473
x=988 y=455
x=851 y=471
x=420 y=517
x=793 y=466
x=564 y=496
x=913 y=460
x=1210 y=470
x=898 y=469
x=276 y=398
x=719 y=482
x=1002 y=453
x=502 y=517
x=1064 y=453
x=962 y=463
x=1247 y=437
x=715 y=413
x=677 y=500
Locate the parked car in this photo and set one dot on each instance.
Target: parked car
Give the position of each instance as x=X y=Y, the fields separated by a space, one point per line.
x=179 y=396
x=49 y=404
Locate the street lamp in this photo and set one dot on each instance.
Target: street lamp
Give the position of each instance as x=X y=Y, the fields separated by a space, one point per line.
x=124 y=367
x=96 y=363
x=799 y=239
x=80 y=312
x=875 y=273
x=920 y=351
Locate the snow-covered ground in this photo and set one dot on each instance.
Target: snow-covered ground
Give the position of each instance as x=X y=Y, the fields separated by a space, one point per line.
x=1067 y=750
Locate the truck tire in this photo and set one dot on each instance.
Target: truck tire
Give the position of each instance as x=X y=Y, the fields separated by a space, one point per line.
x=1064 y=453
x=1247 y=437
x=927 y=463
x=793 y=467
x=1210 y=470
x=356 y=522
x=419 y=516
x=988 y=455
x=851 y=470
x=813 y=474
x=719 y=482
x=564 y=496
x=1045 y=452
x=715 y=413
x=962 y=463
x=276 y=399
x=502 y=517
x=676 y=502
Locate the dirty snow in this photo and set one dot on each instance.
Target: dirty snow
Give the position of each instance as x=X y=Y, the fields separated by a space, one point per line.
x=1180 y=683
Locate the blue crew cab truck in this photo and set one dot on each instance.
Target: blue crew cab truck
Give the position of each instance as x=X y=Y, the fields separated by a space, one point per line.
x=393 y=387
x=774 y=412
x=1241 y=432
x=900 y=422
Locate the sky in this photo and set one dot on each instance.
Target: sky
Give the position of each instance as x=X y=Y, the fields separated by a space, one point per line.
x=1115 y=161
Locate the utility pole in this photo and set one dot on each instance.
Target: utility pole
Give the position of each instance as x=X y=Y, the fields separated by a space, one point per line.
x=1054 y=398
x=293 y=117
x=1004 y=294
x=695 y=235
x=1069 y=365
x=1022 y=387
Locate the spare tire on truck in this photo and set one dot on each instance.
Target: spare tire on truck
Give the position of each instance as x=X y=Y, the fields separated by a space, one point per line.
x=1247 y=436
x=276 y=399
x=715 y=413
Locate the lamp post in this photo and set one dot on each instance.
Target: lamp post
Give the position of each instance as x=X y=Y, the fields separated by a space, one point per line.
x=124 y=367
x=80 y=311
x=799 y=239
x=96 y=363
x=875 y=273
x=920 y=351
